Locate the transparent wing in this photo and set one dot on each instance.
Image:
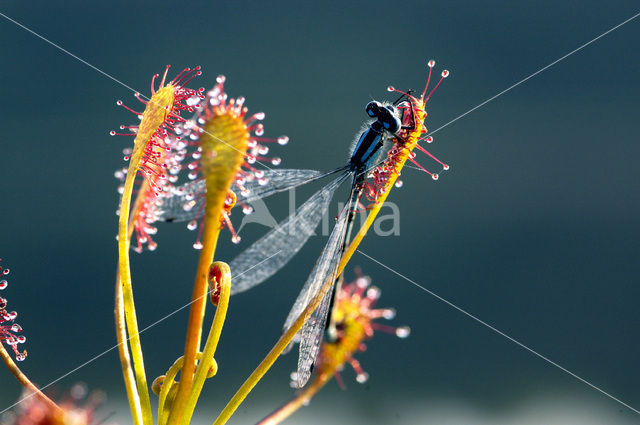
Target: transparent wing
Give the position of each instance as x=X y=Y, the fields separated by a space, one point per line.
x=274 y=181
x=186 y=202
x=311 y=338
x=325 y=268
x=271 y=252
x=181 y=203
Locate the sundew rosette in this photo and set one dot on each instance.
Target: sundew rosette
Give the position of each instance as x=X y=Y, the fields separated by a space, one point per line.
x=356 y=318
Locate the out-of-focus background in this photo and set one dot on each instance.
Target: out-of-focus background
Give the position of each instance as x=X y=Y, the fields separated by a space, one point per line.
x=535 y=229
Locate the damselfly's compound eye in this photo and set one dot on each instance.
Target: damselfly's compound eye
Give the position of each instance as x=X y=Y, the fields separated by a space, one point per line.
x=372 y=109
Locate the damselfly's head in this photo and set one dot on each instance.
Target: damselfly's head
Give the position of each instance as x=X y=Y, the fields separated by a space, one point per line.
x=387 y=115
x=412 y=113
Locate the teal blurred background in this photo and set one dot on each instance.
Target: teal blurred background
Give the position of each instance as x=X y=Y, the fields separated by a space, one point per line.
x=534 y=229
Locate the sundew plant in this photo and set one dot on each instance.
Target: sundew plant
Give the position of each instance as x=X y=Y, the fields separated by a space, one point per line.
x=287 y=226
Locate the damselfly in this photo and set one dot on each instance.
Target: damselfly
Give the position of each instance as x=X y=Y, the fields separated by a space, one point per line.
x=396 y=123
x=276 y=248
x=391 y=127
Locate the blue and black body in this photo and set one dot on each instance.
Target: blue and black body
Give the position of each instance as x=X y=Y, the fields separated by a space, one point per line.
x=368 y=146
x=366 y=152
x=364 y=158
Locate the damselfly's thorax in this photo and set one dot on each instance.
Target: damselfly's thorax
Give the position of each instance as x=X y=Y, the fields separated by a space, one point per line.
x=387 y=124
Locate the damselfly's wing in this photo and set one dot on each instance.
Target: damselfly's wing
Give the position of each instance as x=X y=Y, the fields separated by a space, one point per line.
x=311 y=336
x=277 y=181
x=186 y=202
x=181 y=203
x=275 y=249
x=326 y=268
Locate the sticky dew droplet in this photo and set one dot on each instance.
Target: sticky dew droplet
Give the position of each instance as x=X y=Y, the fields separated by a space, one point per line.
x=389 y=313
x=283 y=140
x=362 y=377
x=403 y=331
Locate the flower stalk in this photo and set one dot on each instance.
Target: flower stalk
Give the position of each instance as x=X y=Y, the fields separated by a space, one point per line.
x=154 y=115
x=26 y=383
x=149 y=149
x=223 y=145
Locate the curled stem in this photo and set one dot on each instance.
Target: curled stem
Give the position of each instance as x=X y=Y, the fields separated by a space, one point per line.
x=202 y=372
x=167 y=385
x=25 y=382
x=196 y=316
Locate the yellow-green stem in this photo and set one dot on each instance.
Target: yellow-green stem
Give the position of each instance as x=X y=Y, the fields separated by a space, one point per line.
x=121 y=331
x=212 y=340
x=159 y=106
x=125 y=359
x=25 y=382
x=301 y=399
x=127 y=292
x=167 y=384
x=196 y=316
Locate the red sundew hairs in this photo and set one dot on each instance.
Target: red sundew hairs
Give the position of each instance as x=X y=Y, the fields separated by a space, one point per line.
x=9 y=330
x=159 y=154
